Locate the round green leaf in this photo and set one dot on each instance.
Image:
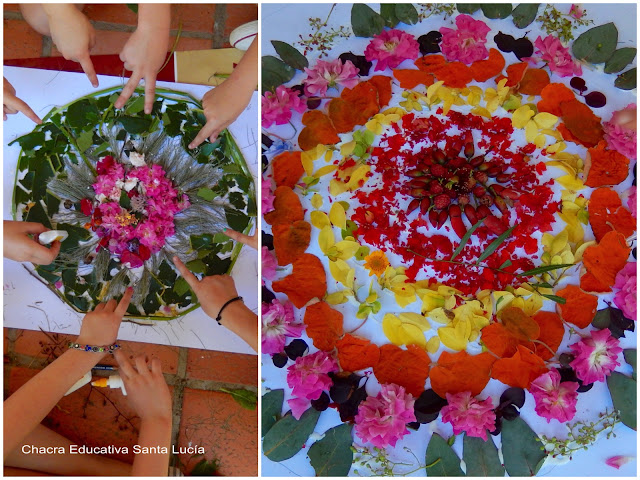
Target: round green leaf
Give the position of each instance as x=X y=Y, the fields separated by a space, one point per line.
x=271 y=409
x=290 y=55
x=468 y=8
x=630 y=356
x=496 y=10
x=332 y=456
x=275 y=72
x=481 y=457
x=388 y=12
x=597 y=44
x=521 y=449
x=627 y=80
x=620 y=59
x=365 y=22
x=287 y=436
x=524 y=14
x=441 y=460
x=623 y=392
x=406 y=13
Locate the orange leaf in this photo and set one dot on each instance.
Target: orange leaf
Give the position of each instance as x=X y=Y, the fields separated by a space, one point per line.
x=515 y=72
x=606 y=213
x=567 y=135
x=580 y=307
x=551 y=333
x=324 y=325
x=356 y=353
x=318 y=130
x=287 y=169
x=582 y=122
x=307 y=281
x=408 y=368
x=534 y=80
x=589 y=283
x=461 y=372
x=483 y=70
x=454 y=74
x=430 y=63
x=519 y=324
x=605 y=167
x=606 y=259
x=412 y=78
x=519 y=370
x=382 y=83
x=342 y=115
x=291 y=240
x=287 y=207
x=364 y=99
x=552 y=96
x=499 y=340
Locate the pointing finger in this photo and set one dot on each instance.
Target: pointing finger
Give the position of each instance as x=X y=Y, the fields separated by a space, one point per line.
x=87 y=66
x=149 y=93
x=21 y=106
x=128 y=90
x=191 y=279
x=203 y=134
x=121 y=309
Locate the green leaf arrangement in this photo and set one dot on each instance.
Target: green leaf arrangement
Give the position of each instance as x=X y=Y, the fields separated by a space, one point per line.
x=57 y=166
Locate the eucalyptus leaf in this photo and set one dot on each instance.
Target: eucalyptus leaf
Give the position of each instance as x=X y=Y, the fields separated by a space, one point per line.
x=407 y=13
x=245 y=398
x=543 y=269
x=468 y=8
x=555 y=298
x=630 y=356
x=287 y=436
x=524 y=14
x=365 y=22
x=597 y=44
x=332 y=456
x=620 y=59
x=271 y=409
x=521 y=449
x=388 y=12
x=481 y=457
x=496 y=10
x=623 y=392
x=493 y=246
x=627 y=80
x=290 y=55
x=275 y=72
x=441 y=460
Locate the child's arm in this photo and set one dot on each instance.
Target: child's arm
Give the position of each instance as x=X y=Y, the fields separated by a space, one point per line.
x=28 y=406
x=145 y=52
x=224 y=103
x=149 y=396
x=12 y=104
x=213 y=292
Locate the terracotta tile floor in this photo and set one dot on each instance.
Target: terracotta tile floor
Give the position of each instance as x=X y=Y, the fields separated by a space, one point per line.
x=204 y=414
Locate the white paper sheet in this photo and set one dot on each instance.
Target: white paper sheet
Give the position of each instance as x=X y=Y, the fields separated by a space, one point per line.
x=30 y=305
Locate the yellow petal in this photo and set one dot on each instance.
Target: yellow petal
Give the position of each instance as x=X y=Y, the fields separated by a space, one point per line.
x=451 y=338
x=530 y=131
x=521 y=116
x=316 y=201
x=433 y=344
x=431 y=300
x=336 y=187
x=322 y=171
x=570 y=182
x=359 y=175
x=559 y=242
x=347 y=249
x=319 y=219
x=540 y=141
x=338 y=216
x=336 y=298
x=391 y=326
x=326 y=239
x=414 y=319
x=545 y=120
x=556 y=147
x=411 y=335
x=439 y=315
x=340 y=271
x=483 y=112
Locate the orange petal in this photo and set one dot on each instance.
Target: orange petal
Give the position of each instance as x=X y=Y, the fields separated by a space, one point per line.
x=483 y=70
x=551 y=334
x=519 y=370
x=318 y=130
x=307 y=281
x=580 y=307
x=408 y=368
x=605 y=167
x=582 y=122
x=287 y=169
x=606 y=213
x=287 y=207
x=533 y=81
x=291 y=240
x=607 y=258
x=461 y=372
x=515 y=72
x=552 y=96
x=454 y=74
x=356 y=353
x=324 y=325
x=410 y=79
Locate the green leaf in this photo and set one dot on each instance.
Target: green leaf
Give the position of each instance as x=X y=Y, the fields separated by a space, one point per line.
x=332 y=456
x=623 y=392
x=555 y=298
x=290 y=55
x=125 y=201
x=465 y=238
x=271 y=409
x=620 y=59
x=496 y=10
x=365 y=22
x=481 y=457
x=388 y=12
x=275 y=72
x=524 y=14
x=506 y=264
x=181 y=286
x=204 y=468
x=135 y=125
x=30 y=140
x=543 y=269
x=495 y=244
x=134 y=105
x=206 y=194
x=407 y=13
x=287 y=436
x=627 y=80
x=468 y=8
x=196 y=266
x=630 y=356
x=246 y=398
x=441 y=460
x=597 y=44
x=521 y=449
x=362 y=252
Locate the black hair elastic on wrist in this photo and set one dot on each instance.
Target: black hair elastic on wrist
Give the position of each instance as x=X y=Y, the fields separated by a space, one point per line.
x=219 y=317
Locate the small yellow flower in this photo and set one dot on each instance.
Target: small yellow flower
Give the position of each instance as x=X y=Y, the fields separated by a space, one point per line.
x=376 y=263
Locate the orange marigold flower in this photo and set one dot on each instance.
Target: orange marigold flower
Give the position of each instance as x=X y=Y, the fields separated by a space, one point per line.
x=376 y=263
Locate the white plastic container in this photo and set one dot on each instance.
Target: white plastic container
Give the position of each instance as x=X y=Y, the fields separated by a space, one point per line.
x=242 y=36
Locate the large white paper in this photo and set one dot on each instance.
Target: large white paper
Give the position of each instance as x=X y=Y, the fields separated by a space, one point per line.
x=29 y=304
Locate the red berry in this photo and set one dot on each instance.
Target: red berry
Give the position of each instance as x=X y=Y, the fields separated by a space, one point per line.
x=435 y=188
x=494 y=171
x=469 y=149
x=486 y=200
x=417 y=192
x=439 y=157
x=502 y=206
x=476 y=161
x=510 y=194
x=457 y=162
x=482 y=211
x=413 y=204
x=442 y=218
x=495 y=224
x=503 y=177
x=458 y=226
x=417 y=182
x=454 y=211
x=481 y=176
x=479 y=191
x=414 y=173
x=438 y=171
x=425 y=203
x=433 y=218
x=470 y=213
x=463 y=200
x=441 y=201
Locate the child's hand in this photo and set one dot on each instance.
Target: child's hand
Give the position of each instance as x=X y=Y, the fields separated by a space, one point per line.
x=73 y=35
x=147 y=389
x=12 y=104
x=19 y=246
x=145 y=53
x=100 y=327
x=212 y=292
x=249 y=241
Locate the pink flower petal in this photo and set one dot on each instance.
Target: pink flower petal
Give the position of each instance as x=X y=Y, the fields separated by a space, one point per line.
x=617 y=461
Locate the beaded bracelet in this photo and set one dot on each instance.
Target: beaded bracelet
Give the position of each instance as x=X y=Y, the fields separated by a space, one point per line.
x=219 y=317
x=94 y=349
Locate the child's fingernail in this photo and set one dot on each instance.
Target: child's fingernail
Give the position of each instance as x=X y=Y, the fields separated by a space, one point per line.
x=191 y=145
